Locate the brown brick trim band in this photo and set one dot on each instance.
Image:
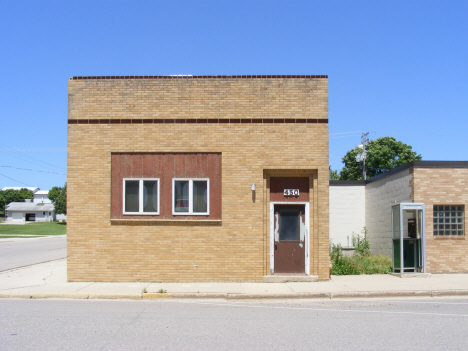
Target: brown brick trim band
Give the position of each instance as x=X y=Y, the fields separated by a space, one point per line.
x=197 y=121
x=201 y=77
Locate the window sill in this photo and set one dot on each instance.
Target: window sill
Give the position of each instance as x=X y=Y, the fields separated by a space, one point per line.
x=449 y=237
x=175 y=222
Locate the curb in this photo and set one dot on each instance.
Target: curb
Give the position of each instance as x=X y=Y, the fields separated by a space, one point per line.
x=156 y=296
x=233 y=296
x=74 y=296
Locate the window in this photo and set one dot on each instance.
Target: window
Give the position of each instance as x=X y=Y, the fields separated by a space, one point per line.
x=448 y=220
x=190 y=197
x=133 y=173
x=141 y=196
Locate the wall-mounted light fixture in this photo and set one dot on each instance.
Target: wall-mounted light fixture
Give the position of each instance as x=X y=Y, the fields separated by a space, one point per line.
x=252 y=187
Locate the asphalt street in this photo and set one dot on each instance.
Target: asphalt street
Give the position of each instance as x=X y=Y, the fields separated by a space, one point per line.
x=370 y=324
x=15 y=253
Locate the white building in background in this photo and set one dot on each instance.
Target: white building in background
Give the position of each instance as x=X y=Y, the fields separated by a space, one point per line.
x=39 y=209
x=40 y=196
x=29 y=211
x=347 y=211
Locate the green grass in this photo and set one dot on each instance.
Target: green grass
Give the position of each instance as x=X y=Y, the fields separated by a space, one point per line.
x=3 y=236
x=46 y=228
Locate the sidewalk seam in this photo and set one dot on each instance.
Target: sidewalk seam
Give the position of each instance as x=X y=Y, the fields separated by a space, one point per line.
x=30 y=265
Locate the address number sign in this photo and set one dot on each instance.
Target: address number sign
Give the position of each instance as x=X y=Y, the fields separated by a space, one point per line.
x=291 y=192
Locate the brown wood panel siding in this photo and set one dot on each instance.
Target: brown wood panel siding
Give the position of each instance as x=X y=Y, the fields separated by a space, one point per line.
x=179 y=164
x=158 y=163
x=116 y=188
x=166 y=186
x=191 y=165
x=137 y=163
x=214 y=173
x=148 y=170
x=126 y=166
x=278 y=184
x=165 y=166
x=202 y=165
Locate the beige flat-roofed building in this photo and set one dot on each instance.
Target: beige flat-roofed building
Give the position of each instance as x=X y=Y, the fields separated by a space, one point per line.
x=197 y=178
x=429 y=236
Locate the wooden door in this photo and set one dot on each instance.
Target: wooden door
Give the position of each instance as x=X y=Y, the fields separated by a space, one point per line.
x=289 y=229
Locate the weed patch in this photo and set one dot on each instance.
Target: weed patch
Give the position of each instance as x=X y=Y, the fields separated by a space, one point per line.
x=362 y=262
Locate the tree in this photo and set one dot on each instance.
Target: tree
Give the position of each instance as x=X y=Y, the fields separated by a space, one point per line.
x=54 y=193
x=60 y=204
x=24 y=194
x=383 y=154
x=334 y=175
x=10 y=195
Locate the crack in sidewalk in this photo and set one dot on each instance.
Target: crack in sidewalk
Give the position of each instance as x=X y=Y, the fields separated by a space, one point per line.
x=84 y=287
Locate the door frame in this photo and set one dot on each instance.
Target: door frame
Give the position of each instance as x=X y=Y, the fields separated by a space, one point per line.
x=306 y=238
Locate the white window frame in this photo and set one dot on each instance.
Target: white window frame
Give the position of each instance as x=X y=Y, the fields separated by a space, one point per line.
x=190 y=212
x=140 y=196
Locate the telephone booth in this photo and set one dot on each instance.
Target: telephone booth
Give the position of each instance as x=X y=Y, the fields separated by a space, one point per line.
x=409 y=238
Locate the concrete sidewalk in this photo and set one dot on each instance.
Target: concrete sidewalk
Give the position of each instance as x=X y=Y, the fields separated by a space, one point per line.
x=48 y=280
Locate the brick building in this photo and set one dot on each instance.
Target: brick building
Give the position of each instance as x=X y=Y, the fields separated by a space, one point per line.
x=441 y=186
x=197 y=178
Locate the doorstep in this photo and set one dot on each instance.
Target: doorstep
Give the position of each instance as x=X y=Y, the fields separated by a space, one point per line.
x=288 y=278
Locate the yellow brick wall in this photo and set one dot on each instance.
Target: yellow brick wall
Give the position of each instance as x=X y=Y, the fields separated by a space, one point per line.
x=233 y=249
x=198 y=98
x=443 y=186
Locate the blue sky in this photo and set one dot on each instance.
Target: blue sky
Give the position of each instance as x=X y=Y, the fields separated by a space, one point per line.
x=397 y=68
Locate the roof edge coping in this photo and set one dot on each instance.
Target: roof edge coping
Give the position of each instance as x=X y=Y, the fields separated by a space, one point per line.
x=420 y=164
x=199 y=77
x=347 y=182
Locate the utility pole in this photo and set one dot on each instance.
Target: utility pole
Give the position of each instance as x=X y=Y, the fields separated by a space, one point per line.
x=362 y=156
x=364 y=140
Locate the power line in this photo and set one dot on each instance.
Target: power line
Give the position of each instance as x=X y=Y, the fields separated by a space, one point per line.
x=343 y=136
x=12 y=150
x=421 y=134
x=33 y=170
x=358 y=131
x=15 y=180
x=42 y=149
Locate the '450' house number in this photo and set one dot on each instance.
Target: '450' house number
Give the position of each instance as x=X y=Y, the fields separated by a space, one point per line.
x=291 y=192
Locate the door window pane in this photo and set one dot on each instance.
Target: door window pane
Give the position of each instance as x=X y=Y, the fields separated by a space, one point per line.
x=289 y=225
x=396 y=222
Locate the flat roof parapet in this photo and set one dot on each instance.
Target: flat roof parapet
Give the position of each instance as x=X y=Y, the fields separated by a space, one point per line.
x=413 y=164
x=200 y=77
x=347 y=182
